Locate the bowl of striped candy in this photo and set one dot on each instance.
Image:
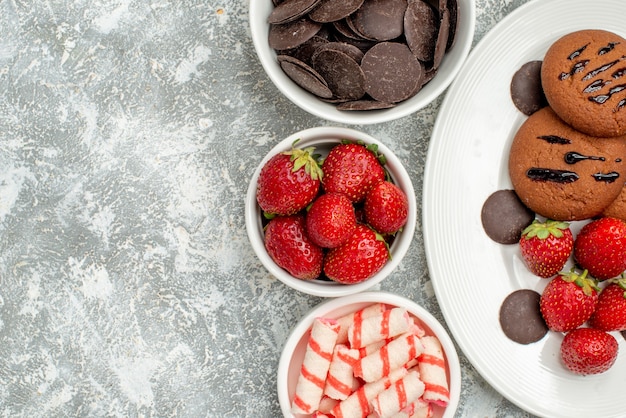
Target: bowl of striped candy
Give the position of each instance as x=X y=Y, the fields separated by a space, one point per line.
x=372 y=353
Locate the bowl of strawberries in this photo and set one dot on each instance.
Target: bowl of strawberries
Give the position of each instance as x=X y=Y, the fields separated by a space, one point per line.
x=330 y=211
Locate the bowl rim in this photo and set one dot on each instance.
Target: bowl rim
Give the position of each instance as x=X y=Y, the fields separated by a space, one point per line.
x=398 y=248
x=450 y=66
x=340 y=305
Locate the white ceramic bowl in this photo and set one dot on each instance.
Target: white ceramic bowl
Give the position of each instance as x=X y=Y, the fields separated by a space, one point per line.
x=259 y=10
x=324 y=138
x=295 y=346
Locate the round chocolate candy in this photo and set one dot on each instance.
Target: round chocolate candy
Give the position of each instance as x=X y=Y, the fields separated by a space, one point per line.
x=392 y=72
x=520 y=317
x=504 y=217
x=526 y=90
x=304 y=76
x=292 y=34
x=342 y=73
x=291 y=10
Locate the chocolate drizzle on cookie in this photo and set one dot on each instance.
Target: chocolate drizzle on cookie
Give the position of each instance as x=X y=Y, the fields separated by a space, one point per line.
x=598 y=84
x=608 y=48
x=573 y=157
x=602 y=98
x=576 y=68
x=565 y=176
x=619 y=73
x=576 y=53
x=551 y=175
x=555 y=139
x=606 y=177
x=591 y=74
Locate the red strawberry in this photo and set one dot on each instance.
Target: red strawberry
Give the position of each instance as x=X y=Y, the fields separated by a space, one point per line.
x=330 y=220
x=546 y=247
x=386 y=208
x=610 y=314
x=352 y=169
x=600 y=247
x=288 y=245
x=568 y=301
x=288 y=182
x=588 y=351
x=362 y=256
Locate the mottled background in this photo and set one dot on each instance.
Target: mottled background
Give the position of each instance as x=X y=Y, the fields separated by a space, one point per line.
x=129 y=131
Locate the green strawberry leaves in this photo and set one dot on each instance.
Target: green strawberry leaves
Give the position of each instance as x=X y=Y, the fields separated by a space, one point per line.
x=543 y=230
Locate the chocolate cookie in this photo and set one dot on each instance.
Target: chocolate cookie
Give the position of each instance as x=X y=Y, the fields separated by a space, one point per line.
x=617 y=208
x=504 y=217
x=584 y=79
x=563 y=174
x=520 y=317
x=526 y=90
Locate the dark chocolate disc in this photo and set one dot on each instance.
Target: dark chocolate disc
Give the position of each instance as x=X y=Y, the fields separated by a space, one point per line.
x=353 y=27
x=343 y=74
x=334 y=10
x=291 y=10
x=342 y=28
x=520 y=317
x=526 y=90
x=364 y=104
x=362 y=44
x=453 y=8
x=305 y=51
x=504 y=217
x=420 y=29
x=381 y=20
x=348 y=49
x=292 y=34
x=304 y=76
x=442 y=38
x=392 y=73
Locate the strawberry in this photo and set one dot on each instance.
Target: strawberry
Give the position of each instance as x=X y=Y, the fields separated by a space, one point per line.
x=362 y=256
x=600 y=247
x=288 y=245
x=546 y=246
x=352 y=169
x=288 y=182
x=588 y=351
x=386 y=208
x=330 y=220
x=610 y=314
x=568 y=301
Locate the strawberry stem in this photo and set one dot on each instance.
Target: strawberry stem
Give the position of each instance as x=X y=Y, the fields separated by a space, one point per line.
x=587 y=283
x=307 y=159
x=544 y=230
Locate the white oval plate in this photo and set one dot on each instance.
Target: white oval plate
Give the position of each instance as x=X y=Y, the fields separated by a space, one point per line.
x=467 y=161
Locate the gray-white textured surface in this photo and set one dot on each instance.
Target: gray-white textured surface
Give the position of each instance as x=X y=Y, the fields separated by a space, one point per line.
x=128 y=134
